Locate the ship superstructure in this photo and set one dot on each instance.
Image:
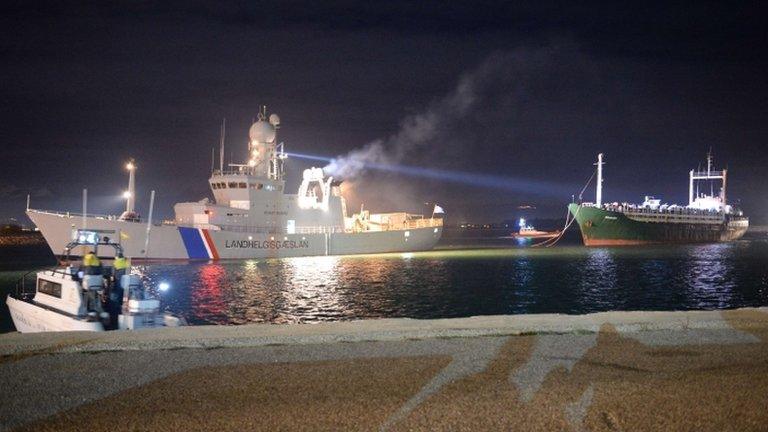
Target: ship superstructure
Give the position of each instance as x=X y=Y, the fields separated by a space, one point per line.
x=706 y=218
x=252 y=216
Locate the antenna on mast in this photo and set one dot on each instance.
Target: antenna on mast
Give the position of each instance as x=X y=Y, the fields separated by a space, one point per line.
x=221 y=144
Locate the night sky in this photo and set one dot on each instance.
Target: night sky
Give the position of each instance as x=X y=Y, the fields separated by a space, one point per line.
x=516 y=99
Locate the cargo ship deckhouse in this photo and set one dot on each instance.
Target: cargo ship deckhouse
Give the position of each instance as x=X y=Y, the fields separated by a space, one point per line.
x=251 y=216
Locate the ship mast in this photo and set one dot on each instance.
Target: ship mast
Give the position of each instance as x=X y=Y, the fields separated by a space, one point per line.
x=130 y=194
x=599 y=194
x=221 y=144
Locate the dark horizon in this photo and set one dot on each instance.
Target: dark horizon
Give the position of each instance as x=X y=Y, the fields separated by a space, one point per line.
x=524 y=93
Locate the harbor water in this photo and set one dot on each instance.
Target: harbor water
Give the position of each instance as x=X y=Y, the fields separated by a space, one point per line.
x=458 y=282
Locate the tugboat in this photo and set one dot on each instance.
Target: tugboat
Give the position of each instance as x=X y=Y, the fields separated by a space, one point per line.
x=529 y=232
x=65 y=298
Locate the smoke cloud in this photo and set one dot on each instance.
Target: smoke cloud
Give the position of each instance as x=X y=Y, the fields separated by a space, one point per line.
x=511 y=118
x=416 y=131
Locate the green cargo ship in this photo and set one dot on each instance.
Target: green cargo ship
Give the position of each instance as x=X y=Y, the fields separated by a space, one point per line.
x=706 y=218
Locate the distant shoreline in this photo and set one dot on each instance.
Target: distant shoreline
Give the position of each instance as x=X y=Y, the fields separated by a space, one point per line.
x=24 y=238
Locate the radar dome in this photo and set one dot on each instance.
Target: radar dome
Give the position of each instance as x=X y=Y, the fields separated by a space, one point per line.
x=274 y=120
x=262 y=131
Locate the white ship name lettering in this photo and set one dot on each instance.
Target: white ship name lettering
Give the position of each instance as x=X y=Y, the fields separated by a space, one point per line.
x=266 y=244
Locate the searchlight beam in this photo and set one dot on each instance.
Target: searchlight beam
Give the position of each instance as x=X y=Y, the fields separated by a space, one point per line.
x=483 y=180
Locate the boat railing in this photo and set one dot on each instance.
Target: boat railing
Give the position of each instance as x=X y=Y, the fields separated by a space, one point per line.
x=25 y=290
x=22 y=284
x=22 y=290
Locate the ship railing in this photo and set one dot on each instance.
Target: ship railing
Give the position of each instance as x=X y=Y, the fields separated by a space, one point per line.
x=423 y=223
x=231 y=171
x=276 y=230
x=710 y=174
x=319 y=229
x=675 y=211
x=684 y=211
x=66 y=214
x=404 y=226
x=249 y=229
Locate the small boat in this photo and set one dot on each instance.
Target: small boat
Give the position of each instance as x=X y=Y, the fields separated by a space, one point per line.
x=66 y=299
x=529 y=232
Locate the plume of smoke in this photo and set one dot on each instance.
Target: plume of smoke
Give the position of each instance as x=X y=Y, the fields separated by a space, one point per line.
x=525 y=107
x=418 y=130
x=499 y=84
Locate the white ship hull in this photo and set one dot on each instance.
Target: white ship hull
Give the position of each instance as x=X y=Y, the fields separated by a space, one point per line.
x=188 y=243
x=30 y=318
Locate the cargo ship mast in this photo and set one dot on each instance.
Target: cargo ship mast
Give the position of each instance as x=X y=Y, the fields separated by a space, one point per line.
x=599 y=193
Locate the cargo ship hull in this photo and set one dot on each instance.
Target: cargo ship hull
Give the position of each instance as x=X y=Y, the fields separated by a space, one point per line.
x=601 y=227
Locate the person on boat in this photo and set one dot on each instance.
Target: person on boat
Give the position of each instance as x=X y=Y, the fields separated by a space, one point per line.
x=120 y=264
x=115 y=305
x=91 y=264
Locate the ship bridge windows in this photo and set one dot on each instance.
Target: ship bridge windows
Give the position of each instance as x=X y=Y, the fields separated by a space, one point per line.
x=48 y=287
x=242 y=185
x=232 y=185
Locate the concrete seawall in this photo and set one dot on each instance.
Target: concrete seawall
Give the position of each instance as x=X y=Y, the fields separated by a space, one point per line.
x=693 y=370
x=390 y=329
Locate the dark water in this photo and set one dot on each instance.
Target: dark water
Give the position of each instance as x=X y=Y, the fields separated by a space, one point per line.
x=567 y=279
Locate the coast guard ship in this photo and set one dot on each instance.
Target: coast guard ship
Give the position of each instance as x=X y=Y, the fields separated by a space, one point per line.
x=251 y=216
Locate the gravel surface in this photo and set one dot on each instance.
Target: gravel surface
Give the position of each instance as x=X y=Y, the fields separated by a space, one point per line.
x=612 y=371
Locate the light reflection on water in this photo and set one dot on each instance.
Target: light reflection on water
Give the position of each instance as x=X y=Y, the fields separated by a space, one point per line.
x=465 y=283
x=709 y=279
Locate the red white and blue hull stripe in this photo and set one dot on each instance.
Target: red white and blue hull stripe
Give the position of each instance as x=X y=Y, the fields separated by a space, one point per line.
x=198 y=243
